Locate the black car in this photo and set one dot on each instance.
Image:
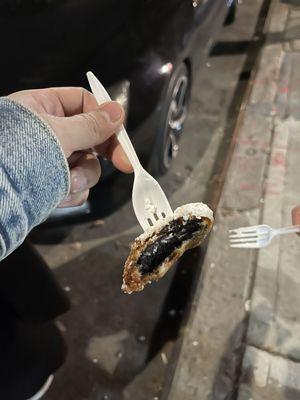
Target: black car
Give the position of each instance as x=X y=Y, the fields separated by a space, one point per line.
x=146 y=52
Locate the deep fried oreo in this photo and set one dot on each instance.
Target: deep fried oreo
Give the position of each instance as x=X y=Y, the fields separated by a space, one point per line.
x=156 y=250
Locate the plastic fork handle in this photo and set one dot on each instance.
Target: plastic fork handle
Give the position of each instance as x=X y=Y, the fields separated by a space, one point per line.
x=287 y=229
x=127 y=146
x=101 y=96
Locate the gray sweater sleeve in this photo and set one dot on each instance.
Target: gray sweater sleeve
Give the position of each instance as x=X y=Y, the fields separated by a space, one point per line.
x=34 y=173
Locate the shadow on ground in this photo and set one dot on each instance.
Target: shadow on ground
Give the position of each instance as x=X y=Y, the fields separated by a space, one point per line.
x=112 y=336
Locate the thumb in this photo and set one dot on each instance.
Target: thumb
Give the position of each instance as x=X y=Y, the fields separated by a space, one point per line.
x=86 y=130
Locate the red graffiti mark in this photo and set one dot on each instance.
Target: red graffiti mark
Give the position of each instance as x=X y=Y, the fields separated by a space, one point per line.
x=244 y=141
x=274 y=110
x=283 y=89
x=274 y=187
x=244 y=166
x=272 y=191
x=248 y=186
x=278 y=159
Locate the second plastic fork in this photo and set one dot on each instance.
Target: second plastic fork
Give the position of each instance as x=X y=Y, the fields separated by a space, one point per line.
x=257 y=236
x=148 y=199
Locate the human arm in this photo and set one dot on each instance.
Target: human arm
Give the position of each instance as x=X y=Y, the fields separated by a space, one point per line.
x=41 y=131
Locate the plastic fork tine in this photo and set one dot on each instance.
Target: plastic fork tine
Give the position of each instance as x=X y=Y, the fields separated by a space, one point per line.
x=244 y=240
x=243 y=229
x=248 y=235
x=240 y=235
x=245 y=245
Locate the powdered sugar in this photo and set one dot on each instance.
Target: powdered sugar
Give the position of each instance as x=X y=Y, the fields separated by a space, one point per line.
x=186 y=211
x=196 y=209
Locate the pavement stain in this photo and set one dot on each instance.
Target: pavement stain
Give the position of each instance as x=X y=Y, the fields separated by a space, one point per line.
x=107 y=350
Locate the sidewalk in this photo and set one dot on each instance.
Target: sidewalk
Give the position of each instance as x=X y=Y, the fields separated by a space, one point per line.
x=242 y=339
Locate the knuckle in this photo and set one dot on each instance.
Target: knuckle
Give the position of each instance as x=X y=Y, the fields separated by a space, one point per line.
x=93 y=125
x=84 y=91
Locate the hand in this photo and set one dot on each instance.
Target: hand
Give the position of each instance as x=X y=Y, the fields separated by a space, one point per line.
x=80 y=124
x=296 y=216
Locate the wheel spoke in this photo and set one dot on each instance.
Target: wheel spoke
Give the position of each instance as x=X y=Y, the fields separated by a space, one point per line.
x=182 y=94
x=178 y=106
x=176 y=115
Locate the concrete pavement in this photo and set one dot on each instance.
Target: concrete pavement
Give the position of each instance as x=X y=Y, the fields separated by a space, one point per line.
x=242 y=339
x=271 y=362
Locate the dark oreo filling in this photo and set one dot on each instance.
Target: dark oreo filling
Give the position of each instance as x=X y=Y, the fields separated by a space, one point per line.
x=170 y=237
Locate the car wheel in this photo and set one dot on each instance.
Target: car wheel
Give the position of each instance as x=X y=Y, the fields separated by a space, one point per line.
x=171 y=122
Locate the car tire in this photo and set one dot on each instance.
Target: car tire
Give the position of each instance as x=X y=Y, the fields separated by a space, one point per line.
x=171 y=121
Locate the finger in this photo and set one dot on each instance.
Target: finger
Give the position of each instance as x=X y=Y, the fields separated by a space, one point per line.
x=83 y=131
x=296 y=215
x=75 y=100
x=112 y=150
x=85 y=173
x=72 y=160
x=75 y=199
x=63 y=101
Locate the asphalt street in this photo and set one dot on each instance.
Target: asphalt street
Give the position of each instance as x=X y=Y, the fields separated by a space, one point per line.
x=121 y=346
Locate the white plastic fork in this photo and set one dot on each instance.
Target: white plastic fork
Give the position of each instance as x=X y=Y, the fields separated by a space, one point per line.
x=148 y=199
x=254 y=237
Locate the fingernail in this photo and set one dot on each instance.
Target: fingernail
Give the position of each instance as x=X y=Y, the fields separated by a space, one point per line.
x=78 y=182
x=112 y=111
